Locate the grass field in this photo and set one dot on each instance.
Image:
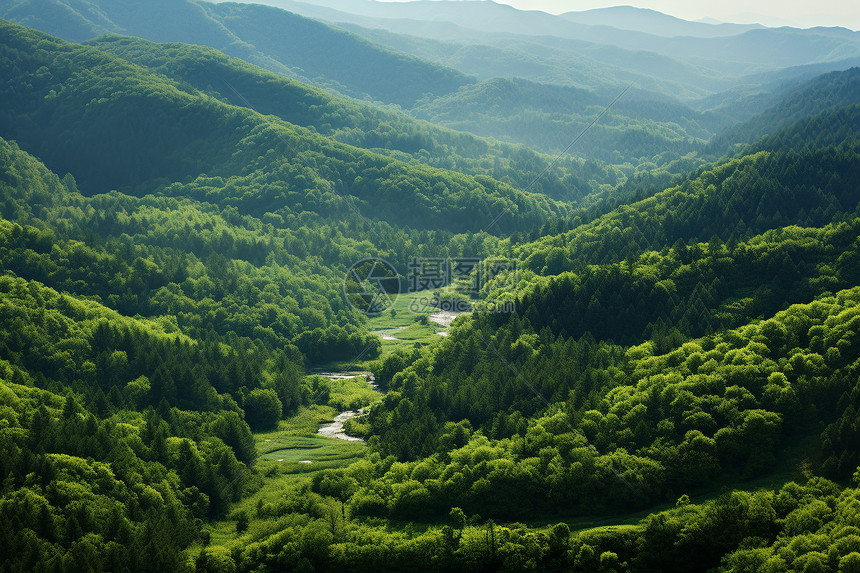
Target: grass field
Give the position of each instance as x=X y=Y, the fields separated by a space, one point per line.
x=352 y=393
x=403 y=329
x=282 y=464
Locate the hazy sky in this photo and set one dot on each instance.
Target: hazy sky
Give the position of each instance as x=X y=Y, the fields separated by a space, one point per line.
x=803 y=13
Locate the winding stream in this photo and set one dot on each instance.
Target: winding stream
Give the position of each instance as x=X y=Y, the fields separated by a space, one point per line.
x=334 y=429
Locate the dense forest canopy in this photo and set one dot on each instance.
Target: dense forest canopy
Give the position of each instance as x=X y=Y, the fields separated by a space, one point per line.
x=664 y=376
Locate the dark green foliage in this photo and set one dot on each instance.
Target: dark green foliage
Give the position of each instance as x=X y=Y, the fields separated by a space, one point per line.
x=669 y=336
x=692 y=289
x=303 y=48
x=261 y=166
x=262 y=409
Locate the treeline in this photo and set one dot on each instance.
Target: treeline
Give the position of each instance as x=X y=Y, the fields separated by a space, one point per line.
x=208 y=271
x=693 y=289
x=740 y=198
x=799 y=526
x=163 y=257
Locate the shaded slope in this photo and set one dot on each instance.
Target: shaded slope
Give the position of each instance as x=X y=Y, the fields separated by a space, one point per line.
x=363 y=125
x=826 y=92
x=115 y=125
x=302 y=48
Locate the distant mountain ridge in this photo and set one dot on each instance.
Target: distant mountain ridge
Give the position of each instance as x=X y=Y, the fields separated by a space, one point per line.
x=654 y=22
x=683 y=89
x=752 y=50
x=825 y=93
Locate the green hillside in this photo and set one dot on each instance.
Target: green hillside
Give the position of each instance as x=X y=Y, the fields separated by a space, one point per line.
x=311 y=51
x=826 y=92
x=362 y=125
x=543 y=116
x=189 y=138
x=653 y=364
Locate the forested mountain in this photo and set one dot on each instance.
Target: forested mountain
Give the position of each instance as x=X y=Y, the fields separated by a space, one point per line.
x=424 y=88
x=825 y=92
x=185 y=134
x=362 y=125
x=84 y=452
x=567 y=407
x=653 y=22
x=547 y=117
x=745 y=52
x=310 y=51
x=647 y=122
x=668 y=382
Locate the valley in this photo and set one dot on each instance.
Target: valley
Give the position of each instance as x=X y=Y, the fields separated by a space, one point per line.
x=398 y=286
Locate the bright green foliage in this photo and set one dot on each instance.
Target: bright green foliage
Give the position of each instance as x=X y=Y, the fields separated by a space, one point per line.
x=737 y=199
x=782 y=530
x=262 y=409
x=634 y=423
x=170 y=292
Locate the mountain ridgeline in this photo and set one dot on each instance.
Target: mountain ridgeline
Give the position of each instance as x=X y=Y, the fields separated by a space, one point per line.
x=310 y=50
x=185 y=134
x=455 y=79
x=668 y=382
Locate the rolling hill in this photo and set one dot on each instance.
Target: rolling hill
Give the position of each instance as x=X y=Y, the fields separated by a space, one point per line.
x=662 y=377
x=355 y=123
x=311 y=51
x=185 y=134
x=427 y=90
x=737 y=54
x=825 y=92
